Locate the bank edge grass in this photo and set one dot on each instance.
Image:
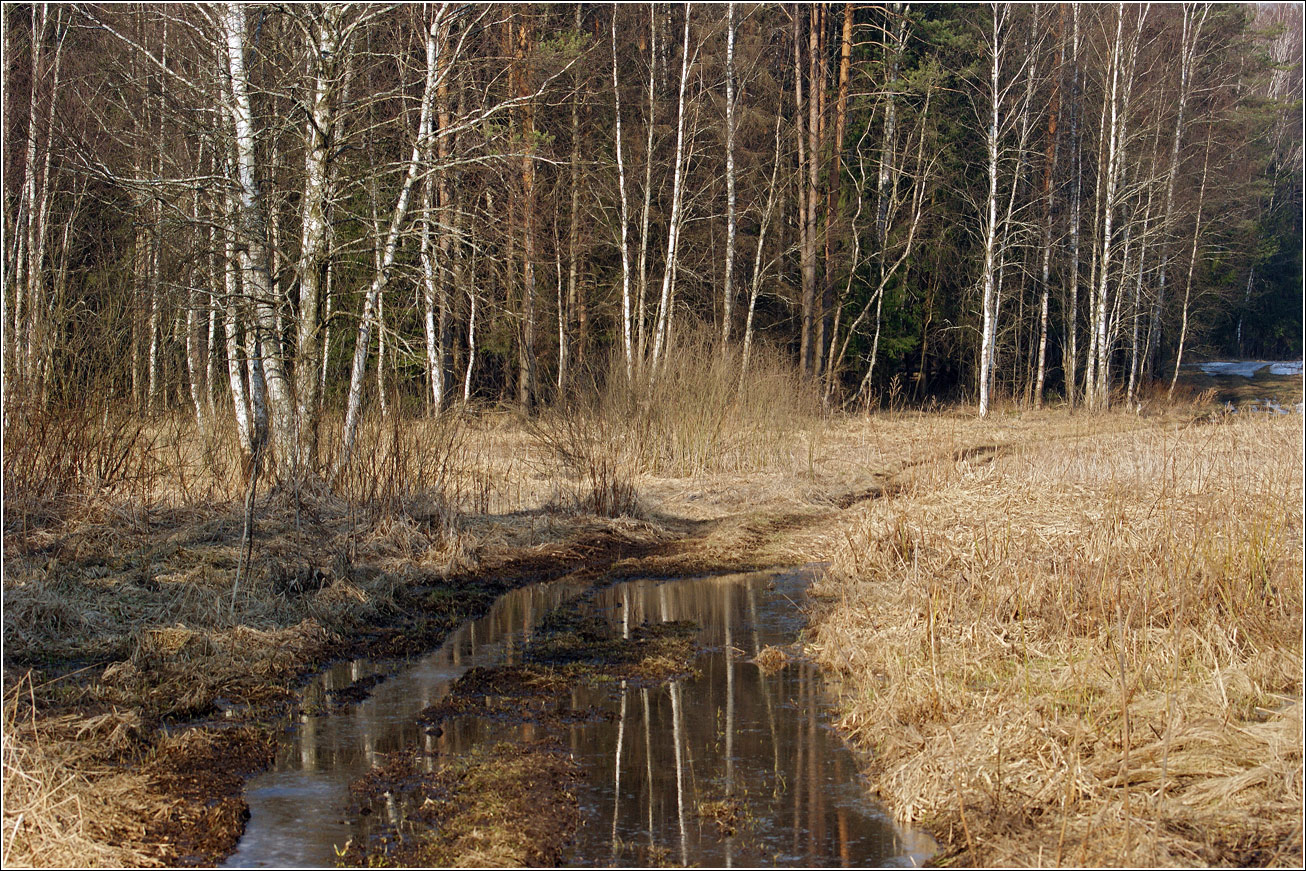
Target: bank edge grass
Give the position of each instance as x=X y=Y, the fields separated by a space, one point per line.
x=1085 y=651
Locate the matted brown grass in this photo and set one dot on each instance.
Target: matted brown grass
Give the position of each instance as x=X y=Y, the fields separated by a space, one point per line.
x=1081 y=644
x=1069 y=638
x=122 y=612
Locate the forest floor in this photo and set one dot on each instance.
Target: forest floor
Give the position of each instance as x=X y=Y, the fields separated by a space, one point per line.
x=1068 y=638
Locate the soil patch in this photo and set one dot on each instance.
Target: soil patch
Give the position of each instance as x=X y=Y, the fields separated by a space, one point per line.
x=570 y=645
x=502 y=806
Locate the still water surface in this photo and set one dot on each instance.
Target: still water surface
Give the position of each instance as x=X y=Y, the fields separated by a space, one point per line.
x=731 y=766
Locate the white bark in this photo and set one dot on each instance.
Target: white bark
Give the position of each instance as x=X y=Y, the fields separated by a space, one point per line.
x=1192 y=263
x=626 y=337
x=1070 y=355
x=430 y=291
x=728 y=301
x=662 y=332
x=267 y=358
x=324 y=48
x=471 y=335
x=757 y=257
x=1192 y=28
x=1119 y=111
x=354 y=401
x=988 y=326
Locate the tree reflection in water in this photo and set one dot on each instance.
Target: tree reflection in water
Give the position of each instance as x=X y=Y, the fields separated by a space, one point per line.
x=739 y=766
x=736 y=765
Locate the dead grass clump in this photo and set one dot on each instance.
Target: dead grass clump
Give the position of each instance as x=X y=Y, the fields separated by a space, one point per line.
x=1086 y=651
x=698 y=415
x=54 y=815
x=771 y=659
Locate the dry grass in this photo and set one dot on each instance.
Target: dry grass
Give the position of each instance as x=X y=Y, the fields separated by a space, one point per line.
x=54 y=815
x=121 y=546
x=694 y=417
x=1082 y=644
x=1069 y=637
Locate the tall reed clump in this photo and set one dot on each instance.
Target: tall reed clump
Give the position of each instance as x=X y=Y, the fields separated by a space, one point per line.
x=696 y=414
x=1086 y=651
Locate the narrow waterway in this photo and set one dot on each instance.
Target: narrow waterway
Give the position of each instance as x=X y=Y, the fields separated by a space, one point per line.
x=733 y=765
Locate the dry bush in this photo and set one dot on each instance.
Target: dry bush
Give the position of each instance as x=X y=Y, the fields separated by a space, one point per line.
x=404 y=466
x=1086 y=650
x=58 y=457
x=589 y=465
x=691 y=418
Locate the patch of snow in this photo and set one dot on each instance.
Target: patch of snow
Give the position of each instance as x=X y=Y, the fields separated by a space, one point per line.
x=1245 y=368
x=1249 y=368
x=1262 y=406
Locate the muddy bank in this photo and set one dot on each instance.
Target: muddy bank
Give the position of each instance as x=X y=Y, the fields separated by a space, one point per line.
x=125 y=680
x=123 y=637
x=696 y=733
x=506 y=805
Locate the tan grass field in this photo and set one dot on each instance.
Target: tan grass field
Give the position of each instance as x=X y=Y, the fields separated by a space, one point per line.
x=1082 y=645
x=1065 y=638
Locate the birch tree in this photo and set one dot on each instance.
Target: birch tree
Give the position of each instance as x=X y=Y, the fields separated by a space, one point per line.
x=421 y=142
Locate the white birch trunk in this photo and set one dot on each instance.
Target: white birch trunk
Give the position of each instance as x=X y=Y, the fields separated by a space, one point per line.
x=1192 y=27
x=324 y=50
x=661 y=333
x=626 y=337
x=1070 y=354
x=471 y=335
x=1192 y=263
x=430 y=290
x=354 y=400
x=251 y=222
x=988 y=325
x=728 y=301
x=757 y=257
x=641 y=305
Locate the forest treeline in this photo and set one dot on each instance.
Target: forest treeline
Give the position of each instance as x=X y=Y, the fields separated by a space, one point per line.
x=262 y=213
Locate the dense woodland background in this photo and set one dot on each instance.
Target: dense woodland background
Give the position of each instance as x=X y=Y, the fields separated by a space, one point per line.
x=289 y=216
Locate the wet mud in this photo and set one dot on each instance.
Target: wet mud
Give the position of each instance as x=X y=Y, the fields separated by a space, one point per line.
x=636 y=712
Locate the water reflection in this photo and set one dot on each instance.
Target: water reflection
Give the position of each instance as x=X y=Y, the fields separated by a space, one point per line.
x=736 y=766
x=298 y=808
x=731 y=766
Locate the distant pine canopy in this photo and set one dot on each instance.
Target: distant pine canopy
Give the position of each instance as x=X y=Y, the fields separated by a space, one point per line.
x=260 y=211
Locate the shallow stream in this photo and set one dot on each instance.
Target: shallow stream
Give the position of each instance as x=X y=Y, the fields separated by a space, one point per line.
x=733 y=765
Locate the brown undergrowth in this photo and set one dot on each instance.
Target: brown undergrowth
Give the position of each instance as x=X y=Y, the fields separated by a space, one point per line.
x=124 y=620
x=1083 y=646
x=998 y=584
x=506 y=805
